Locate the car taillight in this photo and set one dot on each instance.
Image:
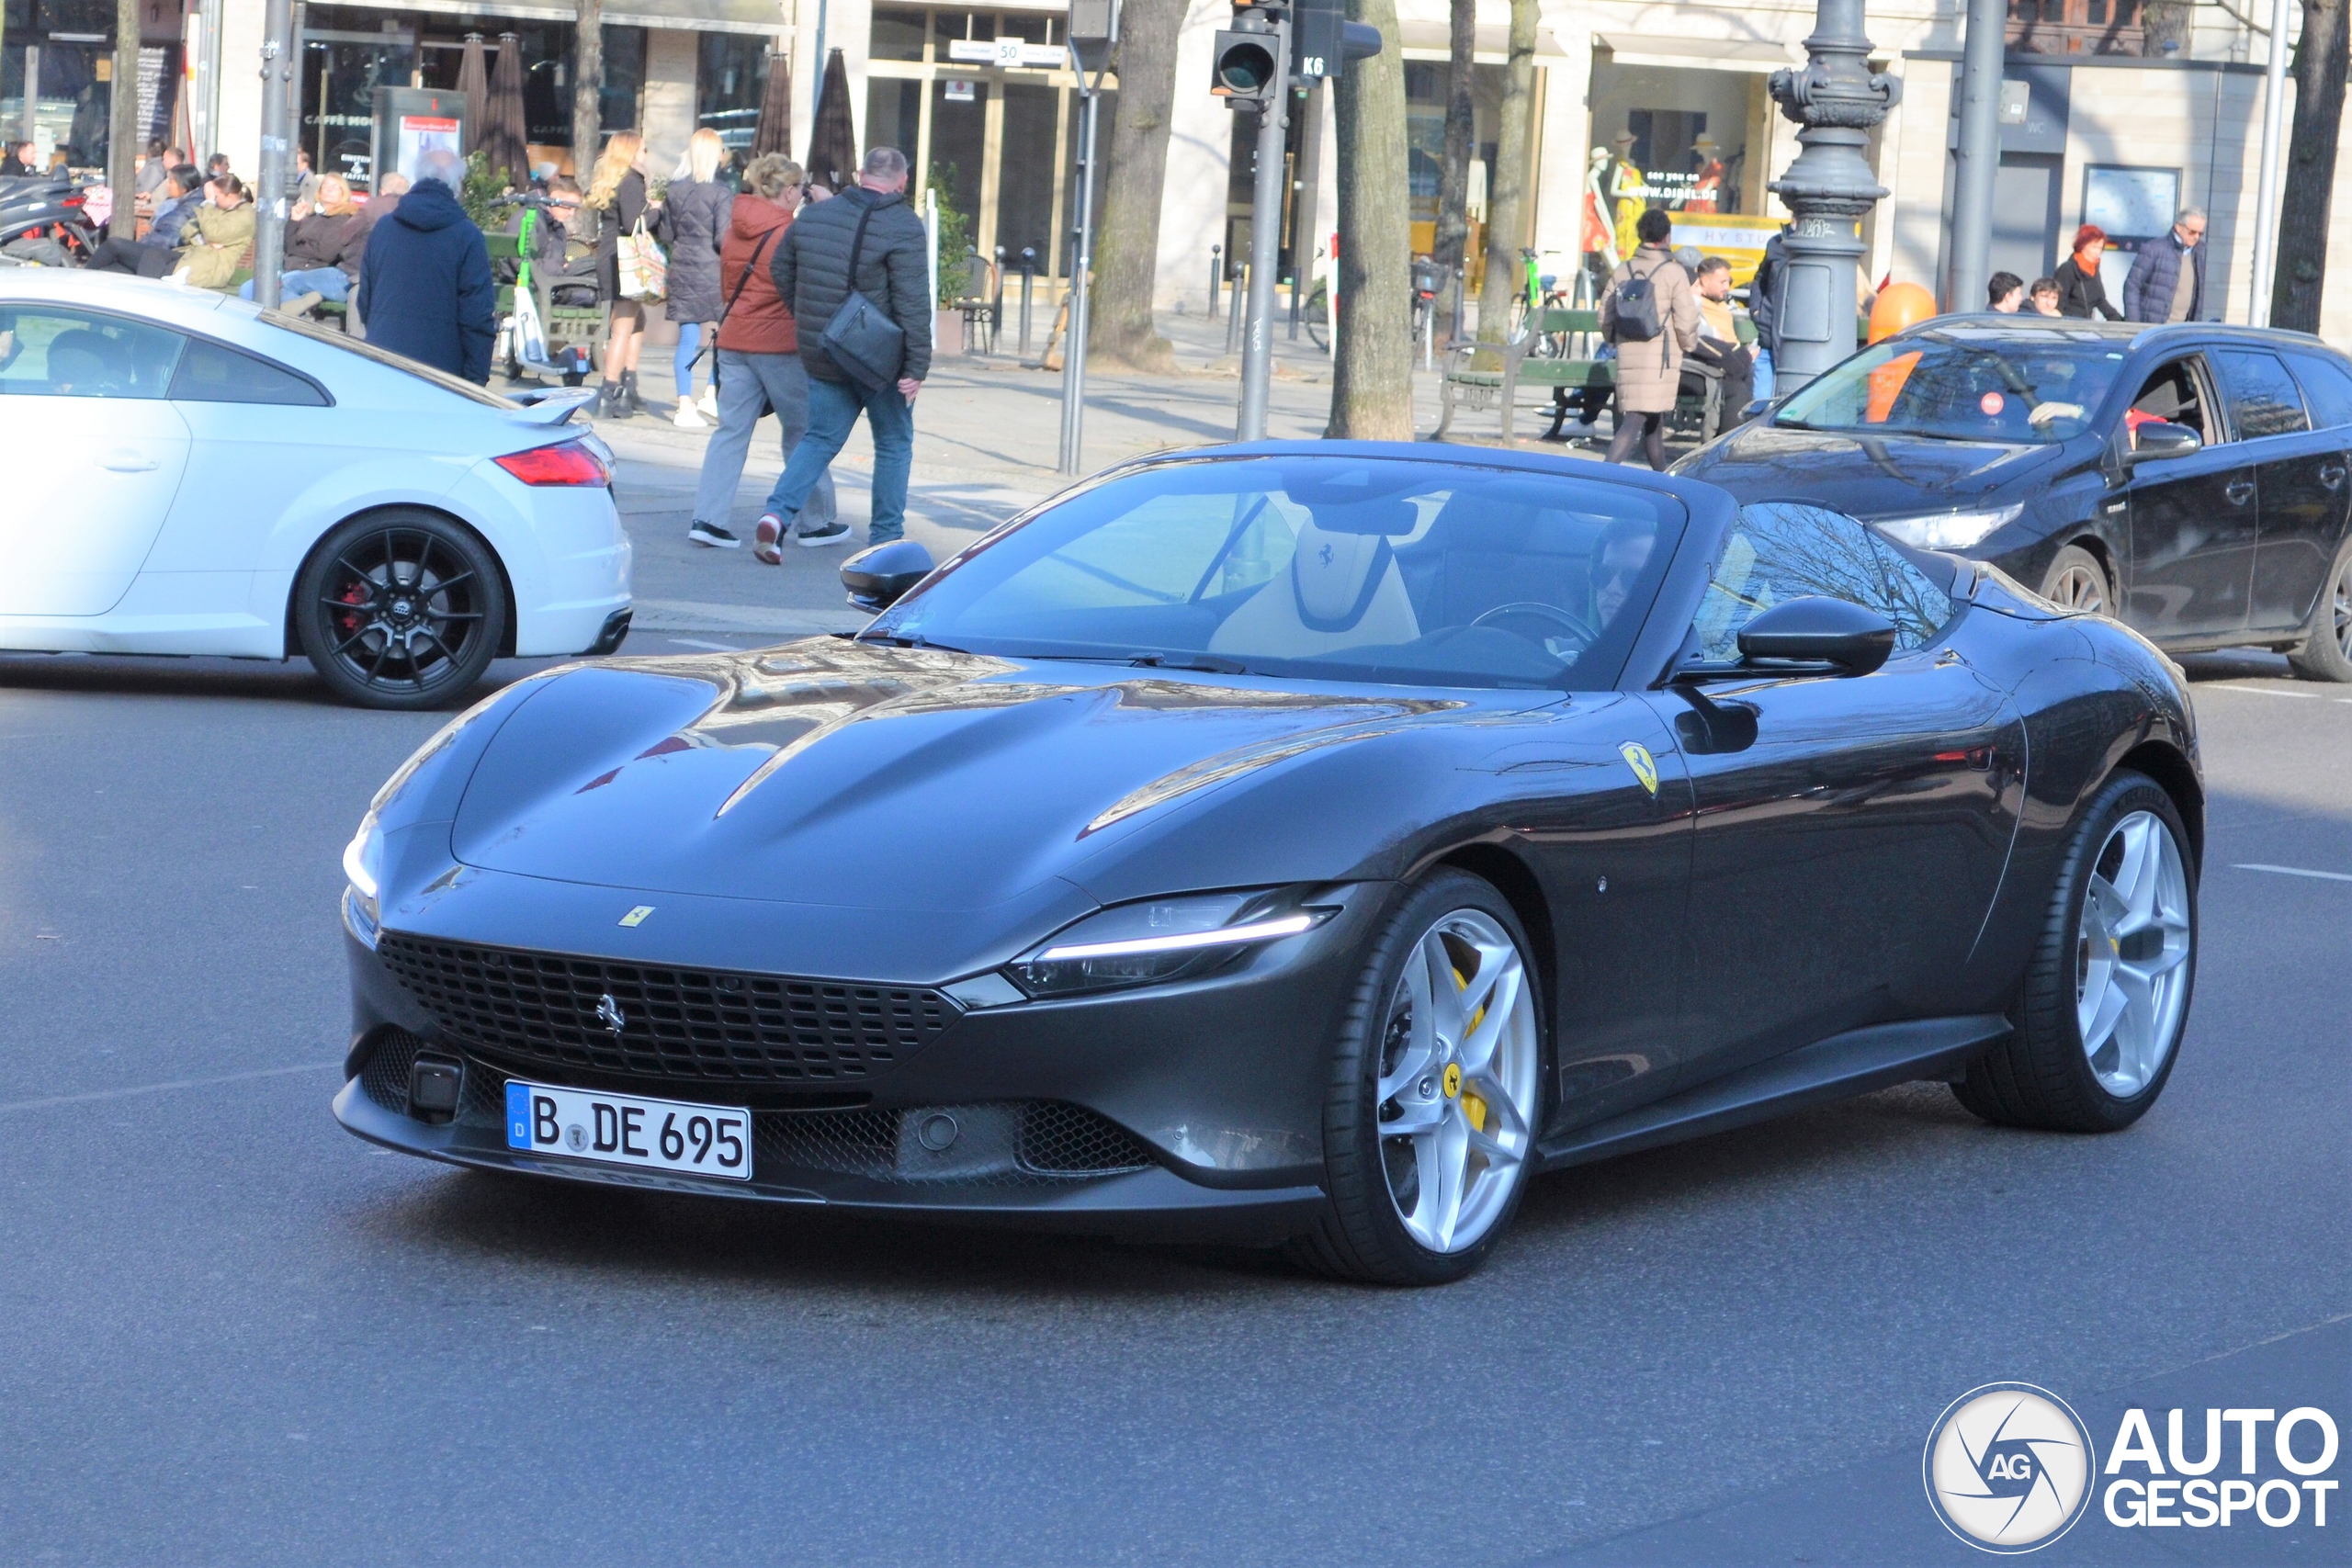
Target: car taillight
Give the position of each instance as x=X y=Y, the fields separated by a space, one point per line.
x=77 y=199
x=566 y=463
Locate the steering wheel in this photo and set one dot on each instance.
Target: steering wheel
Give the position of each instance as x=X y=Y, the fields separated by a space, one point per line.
x=1584 y=636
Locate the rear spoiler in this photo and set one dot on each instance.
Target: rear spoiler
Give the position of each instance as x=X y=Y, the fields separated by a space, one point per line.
x=551 y=405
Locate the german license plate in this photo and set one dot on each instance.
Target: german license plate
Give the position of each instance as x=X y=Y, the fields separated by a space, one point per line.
x=619 y=1129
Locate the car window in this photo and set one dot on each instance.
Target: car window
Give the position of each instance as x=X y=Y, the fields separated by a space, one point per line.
x=1965 y=382
x=2174 y=395
x=215 y=373
x=1394 y=570
x=2327 y=388
x=50 y=353
x=1783 y=550
x=2264 y=400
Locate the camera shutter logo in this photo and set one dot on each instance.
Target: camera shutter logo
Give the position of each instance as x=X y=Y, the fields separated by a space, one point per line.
x=2008 y=1467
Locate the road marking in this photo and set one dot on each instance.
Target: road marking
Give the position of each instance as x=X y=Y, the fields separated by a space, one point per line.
x=2276 y=870
x=2272 y=691
x=165 y=1088
x=714 y=646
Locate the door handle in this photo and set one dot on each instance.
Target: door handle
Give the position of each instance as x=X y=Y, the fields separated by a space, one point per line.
x=2240 y=492
x=2332 y=475
x=124 y=460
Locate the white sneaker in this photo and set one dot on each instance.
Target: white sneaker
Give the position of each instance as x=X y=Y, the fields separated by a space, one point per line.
x=687 y=418
x=709 y=403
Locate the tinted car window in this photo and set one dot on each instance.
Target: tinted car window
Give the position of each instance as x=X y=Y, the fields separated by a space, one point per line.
x=1780 y=550
x=2328 y=388
x=2264 y=400
x=48 y=352
x=1964 y=383
x=1390 y=571
x=215 y=373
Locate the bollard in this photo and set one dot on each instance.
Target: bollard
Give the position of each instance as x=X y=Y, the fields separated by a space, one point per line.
x=996 y=304
x=1028 y=280
x=1296 y=295
x=1216 y=277
x=1233 y=307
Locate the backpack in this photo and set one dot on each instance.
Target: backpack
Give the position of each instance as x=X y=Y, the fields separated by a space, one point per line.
x=1635 y=318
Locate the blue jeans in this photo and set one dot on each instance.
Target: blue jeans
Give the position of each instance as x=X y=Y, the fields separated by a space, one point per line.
x=681 y=366
x=327 y=281
x=833 y=408
x=1763 y=371
x=750 y=385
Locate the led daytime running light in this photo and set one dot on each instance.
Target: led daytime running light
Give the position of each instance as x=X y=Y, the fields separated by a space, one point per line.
x=1259 y=930
x=354 y=865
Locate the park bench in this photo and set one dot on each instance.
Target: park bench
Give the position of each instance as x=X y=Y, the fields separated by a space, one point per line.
x=1481 y=375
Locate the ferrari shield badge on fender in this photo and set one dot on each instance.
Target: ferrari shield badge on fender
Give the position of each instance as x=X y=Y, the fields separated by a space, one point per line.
x=637 y=917
x=1637 y=757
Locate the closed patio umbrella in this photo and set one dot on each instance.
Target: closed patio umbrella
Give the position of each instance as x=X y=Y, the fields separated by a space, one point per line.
x=502 y=138
x=473 y=84
x=775 y=132
x=832 y=141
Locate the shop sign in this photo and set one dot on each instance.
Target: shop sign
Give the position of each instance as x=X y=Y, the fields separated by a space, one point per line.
x=1008 y=54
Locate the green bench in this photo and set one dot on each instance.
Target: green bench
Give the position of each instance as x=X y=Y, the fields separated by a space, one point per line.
x=1481 y=375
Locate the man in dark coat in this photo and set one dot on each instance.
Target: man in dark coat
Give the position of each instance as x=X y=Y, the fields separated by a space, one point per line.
x=811 y=270
x=426 y=289
x=2168 y=281
x=1764 y=298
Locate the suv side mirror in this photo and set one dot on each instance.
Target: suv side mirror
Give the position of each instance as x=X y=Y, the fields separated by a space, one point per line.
x=1851 y=639
x=879 y=576
x=2158 y=440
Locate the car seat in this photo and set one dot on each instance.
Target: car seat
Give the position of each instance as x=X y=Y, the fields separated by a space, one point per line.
x=1343 y=589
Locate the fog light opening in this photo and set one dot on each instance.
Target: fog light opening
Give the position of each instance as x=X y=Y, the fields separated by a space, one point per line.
x=434 y=1084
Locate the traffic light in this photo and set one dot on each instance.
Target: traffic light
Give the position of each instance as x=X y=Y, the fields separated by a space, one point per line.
x=1245 y=66
x=1324 y=40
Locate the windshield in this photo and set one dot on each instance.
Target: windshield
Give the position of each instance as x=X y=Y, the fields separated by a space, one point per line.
x=1395 y=571
x=1964 y=384
x=301 y=327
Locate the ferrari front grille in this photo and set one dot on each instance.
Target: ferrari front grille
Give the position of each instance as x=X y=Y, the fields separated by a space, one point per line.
x=654 y=1022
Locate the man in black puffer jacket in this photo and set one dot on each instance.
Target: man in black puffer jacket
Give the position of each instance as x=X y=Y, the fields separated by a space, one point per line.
x=425 y=289
x=812 y=268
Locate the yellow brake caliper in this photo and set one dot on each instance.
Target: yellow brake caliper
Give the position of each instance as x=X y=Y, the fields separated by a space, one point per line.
x=1472 y=1108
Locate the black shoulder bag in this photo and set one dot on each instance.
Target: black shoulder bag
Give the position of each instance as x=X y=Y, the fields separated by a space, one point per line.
x=862 y=340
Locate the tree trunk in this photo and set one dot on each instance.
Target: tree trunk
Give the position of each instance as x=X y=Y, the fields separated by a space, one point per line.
x=1507 y=205
x=1126 y=232
x=1453 y=178
x=2310 y=177
x=587 y=89
x=122 y=122
x=1372 y=356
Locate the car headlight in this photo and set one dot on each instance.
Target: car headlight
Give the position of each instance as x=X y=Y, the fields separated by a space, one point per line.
x=1948 y=530
x=1159 y=940
x=363 y=863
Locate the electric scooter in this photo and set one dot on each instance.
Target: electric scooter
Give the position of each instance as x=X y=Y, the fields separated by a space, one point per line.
x=522 y=345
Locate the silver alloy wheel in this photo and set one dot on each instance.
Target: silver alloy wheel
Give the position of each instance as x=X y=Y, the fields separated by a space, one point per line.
x=2078 y=588
x=1458 y=1084
x=2131 y=953
x=2339 y=624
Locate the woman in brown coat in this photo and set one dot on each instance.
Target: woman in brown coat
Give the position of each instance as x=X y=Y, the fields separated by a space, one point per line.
x=1649 y=373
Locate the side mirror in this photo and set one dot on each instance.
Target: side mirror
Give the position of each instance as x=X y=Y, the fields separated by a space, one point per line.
x=1846 y=636
x=1757 y=409
x=879 y=576
x=2159 y=440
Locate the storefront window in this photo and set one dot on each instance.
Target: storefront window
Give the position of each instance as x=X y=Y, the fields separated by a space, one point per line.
x=728 y=80
x=66 y=50
x=898 y=35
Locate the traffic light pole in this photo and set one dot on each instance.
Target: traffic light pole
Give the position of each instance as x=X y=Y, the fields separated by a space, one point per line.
x=278 y=60
x=1074 y=345
x=1265 y=243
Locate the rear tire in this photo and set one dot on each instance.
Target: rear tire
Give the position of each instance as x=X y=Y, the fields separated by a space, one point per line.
x=2076 y=581
x=2107 y=991
x=1436 y=1093
x=400 y=609
x=2327 y=653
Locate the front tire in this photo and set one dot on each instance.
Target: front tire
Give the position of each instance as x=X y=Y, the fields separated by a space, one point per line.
x=2076 y=581
x=1436 y=1092
x=399 y=609
x=2326 y=653
x=2107 y=991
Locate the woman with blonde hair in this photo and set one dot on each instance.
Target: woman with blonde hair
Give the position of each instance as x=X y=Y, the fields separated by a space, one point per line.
x=616 y=195
x=694 y=224
x=323 y=249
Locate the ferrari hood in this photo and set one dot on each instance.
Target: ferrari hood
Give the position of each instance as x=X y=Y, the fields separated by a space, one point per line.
x=832 y=772
x=1869 y=476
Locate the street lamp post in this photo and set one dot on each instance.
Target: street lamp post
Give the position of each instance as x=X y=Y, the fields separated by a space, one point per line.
x=1837 y=97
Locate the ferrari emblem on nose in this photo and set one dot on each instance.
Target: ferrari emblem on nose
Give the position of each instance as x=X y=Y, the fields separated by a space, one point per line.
x=635 y=916
x=608 y=1013
x=1637 y=757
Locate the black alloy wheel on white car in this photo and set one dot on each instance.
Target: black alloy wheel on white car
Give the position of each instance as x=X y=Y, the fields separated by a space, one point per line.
x=2107 y=991
x=1436 y=1093
x=400 y=609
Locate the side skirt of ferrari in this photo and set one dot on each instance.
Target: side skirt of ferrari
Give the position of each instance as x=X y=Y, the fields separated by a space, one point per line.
x=1856 y=1062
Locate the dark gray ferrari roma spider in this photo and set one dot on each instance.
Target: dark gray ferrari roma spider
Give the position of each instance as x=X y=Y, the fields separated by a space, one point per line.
x=1295 y=844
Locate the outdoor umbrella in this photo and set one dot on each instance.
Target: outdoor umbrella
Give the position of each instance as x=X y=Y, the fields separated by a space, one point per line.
x=832 y=141
x=502 y=140
x=473 y=86
x=775 y=132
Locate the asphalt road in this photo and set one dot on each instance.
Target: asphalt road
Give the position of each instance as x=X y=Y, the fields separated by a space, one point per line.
x=232 y=1334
